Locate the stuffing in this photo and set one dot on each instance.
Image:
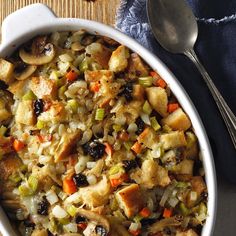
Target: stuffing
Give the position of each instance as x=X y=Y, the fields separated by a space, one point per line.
x=173 y=139
x=6 y=71
x=189 y=232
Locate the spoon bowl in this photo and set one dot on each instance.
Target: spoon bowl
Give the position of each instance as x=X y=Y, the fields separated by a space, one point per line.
x=175 y=28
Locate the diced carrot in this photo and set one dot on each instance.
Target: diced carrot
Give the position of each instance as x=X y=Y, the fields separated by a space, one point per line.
x=116 y=182
x=71 y=76
x=108 y=149
x=172 y=107
x=95 y=86
x=155 y=75
x=104 y=103
x=135 y=232
x=137 y=148
x=158 y=80
x=124 y=136
x=44 y=138
x=18 y=145
x=167 y=213
x=145 y=212
x=83 y=225
x=69 y=186
x=144 y=134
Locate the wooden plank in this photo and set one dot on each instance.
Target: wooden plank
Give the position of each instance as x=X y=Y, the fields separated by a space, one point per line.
x=98 y=10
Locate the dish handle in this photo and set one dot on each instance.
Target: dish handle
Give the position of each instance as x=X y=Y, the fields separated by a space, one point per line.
x=25 y=20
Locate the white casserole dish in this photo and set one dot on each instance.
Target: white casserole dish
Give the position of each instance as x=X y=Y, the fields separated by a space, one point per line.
x=37 y=19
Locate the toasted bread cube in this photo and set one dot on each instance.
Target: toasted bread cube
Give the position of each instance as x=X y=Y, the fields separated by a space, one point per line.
x=130 y=199
x=185 y=167
x=158 y=99
x=43 y=88
x=25 y=113
x=119 y=59
x=177 y=120
x=136 y=66
x=138 y=92
x=18 y=88
x=97 y=75
x=6 y=71
x=189 y=232
x=173 y=139
x=66 y=144
x=4 y=114
x=198 y=185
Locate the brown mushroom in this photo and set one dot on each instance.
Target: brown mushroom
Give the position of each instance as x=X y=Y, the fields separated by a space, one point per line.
x=43 y=57
x=26 y=73
x=93 y=216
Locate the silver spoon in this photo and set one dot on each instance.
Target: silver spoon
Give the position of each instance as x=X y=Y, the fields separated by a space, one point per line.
x=175 y=28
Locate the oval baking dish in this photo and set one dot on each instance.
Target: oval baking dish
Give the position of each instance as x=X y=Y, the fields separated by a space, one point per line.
x=38 y=19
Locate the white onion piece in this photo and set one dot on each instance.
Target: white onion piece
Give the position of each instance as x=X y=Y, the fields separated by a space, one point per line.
x=59 y=212
x=91 y=179
x=74 y=198
x=173 y=202
x=51 y=197
x=81 y=164
x=132 y=128
x=145 y=118
x=71 y=228
x=134 y=226
x=91 y=164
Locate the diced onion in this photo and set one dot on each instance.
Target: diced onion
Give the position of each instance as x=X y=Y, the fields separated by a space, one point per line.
x=71 y=228
x=91 y=164
x=59 y=212
x=51 y=197
x=193 y=196
x=65 y=58
x=173 y=202
x=134 y=226
x=145 y=118
x=132 y=128
x=91 y=179
x=74 y=198
x=81 y=164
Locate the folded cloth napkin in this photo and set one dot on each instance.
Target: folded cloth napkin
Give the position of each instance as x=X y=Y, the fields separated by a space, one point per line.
x=216 y=48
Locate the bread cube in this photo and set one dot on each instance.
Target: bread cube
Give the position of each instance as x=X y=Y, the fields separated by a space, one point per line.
x=6 y=71
x=189 y=232
x=177 y=120
x=130 y=199
x=173 y=139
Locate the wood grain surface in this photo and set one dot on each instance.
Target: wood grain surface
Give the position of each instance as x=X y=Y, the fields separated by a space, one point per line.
x=98 y=10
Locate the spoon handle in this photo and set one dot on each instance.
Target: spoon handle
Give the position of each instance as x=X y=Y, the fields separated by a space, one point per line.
x=226 y=112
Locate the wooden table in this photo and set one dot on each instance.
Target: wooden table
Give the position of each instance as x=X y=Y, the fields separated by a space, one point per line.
x=99 y=10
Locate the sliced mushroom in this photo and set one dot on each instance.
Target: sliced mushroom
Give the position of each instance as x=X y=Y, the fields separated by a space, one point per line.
x=38 y=59
x=93 y=216
x=76 y=46
x=26 y=73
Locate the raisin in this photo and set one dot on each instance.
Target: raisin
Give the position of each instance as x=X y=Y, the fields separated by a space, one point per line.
x=43 y=207
x=79 y=219
x=80 y=180
x=127 y=90
x=129 y=164
x=140 y=124
x=100 y=230
x=29 y=224
x=147 y=222
x=38 y=107
x=3 y=85
x=95 y=149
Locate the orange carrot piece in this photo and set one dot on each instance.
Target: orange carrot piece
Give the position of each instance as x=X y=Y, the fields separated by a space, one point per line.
x=124 y=136
x=108 y=149
x=95 y=87
x=137 y=148
x=172 y=107
x=158 y=80
x=116 y=182
x=83 y=225
x=18 y=145
x=71 y=76
x=145 y=212
x=44 y=138
x=135 y=232
x=155 y=75
x=167 y=213
x=69 y=186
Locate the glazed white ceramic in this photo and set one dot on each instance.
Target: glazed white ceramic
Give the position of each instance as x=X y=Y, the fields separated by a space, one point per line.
x=38 y=19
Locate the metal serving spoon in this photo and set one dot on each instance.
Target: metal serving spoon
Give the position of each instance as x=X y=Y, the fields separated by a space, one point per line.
x=175 y=28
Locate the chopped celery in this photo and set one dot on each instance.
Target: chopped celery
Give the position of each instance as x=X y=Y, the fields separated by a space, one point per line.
x=33 y=183
x=117 y=128
x=29 y=96
x=83 y=65
x=100 y=113
x=24 y=190
x=64 y=221
x=3 y=130
x=166 y=128
x=145 y=81
x=182 y=185
x=74 y=105
x=157 y=151
x=114 y=204
x=147 y=108
x=191 y=139
x=40 y=124
x=54 y=75
x=154 y=123
x=15 y=178
x=128 y=145
x=116 y=169
x=184 y=210
x=61 y=91
x=72 y=210
x=137 y=218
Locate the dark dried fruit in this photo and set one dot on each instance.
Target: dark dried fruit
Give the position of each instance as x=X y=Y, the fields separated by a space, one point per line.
x=3 y=85
x=95 y=149
x=140 y=124
x=43 y=207
x=28 y=223
x=127 y=90
x=80 y=219
x=129 y=164
x=100 y=230
x=80 y=180
x=38 y=107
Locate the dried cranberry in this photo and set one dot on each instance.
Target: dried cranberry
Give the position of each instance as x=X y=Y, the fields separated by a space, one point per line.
x=127 y=90
x=79 y=219
x=80 y=180
x=38 y=107
x=129 y=164
x=140 y=124
x=95 y=149
x=43 y=207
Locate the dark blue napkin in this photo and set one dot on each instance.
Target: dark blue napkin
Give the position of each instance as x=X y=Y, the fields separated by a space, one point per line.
x=216 y=48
